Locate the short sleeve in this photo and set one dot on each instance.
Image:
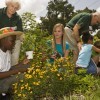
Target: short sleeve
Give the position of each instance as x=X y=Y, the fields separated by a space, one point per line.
x=83 y=21
x=67 y=46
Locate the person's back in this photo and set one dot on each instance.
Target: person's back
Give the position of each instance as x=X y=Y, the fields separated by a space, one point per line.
x=84 y=55
x=82 y=19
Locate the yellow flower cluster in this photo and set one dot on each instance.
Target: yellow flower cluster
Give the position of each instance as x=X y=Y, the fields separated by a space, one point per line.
x=36 y=83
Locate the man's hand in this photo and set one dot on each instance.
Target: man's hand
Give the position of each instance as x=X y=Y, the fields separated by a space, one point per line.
x=26 y=61
x=22 y=69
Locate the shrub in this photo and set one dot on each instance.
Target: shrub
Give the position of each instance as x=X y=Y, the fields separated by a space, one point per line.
x=44 y=80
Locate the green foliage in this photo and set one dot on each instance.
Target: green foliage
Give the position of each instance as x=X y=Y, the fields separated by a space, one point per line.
x=98 y=34
x=35 y=41
x=28 y=20
x=45 y=80
x=59 y=11
x=57 y=80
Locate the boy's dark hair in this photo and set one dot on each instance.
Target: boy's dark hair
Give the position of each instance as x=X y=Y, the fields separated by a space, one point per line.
x=86 y=36
x=97 y=44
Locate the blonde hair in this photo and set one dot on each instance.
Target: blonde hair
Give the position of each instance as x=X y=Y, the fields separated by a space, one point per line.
x=62 y=41
x=8 y=2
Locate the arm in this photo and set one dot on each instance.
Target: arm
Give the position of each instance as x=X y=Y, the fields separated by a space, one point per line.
x=12 y=72
x=22 y=67
x=76 y=35
x=96 y=49
x=82 y=22
x=66 y=53
x=67 y=48
x=76 y=32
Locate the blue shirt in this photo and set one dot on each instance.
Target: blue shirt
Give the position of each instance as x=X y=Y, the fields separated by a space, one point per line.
x=60 y=50
x=84 y=55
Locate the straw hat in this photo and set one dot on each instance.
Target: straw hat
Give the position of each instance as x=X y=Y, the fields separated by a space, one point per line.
x=7 y=31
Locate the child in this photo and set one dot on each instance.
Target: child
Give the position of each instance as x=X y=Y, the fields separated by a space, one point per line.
x=8 y=75
x=84 y=59
x=59 y=45
x=97 y=44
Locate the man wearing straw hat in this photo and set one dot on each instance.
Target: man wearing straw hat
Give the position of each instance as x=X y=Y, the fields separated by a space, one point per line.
x=10 y=18
x=7 y=73
x=76 y=26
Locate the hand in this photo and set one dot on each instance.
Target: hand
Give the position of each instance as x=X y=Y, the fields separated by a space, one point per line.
x=79 y=44
x=26 y=61
x=53 y=56
x=22 y=69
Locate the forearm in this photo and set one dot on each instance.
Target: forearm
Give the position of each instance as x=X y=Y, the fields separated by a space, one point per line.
x=96 y=49
x=76 y=32
x=76 y=35
x=66 y=53
x=14 y=70
x=8 y=73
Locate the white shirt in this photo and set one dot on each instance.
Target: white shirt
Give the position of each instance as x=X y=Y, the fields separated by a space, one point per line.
x=5 y=60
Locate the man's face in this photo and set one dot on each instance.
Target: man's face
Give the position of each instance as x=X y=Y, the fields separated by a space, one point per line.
x=95 y=20
x=12 y=8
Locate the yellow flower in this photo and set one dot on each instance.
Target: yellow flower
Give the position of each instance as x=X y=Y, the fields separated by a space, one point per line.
x=30 y=76
x=21 y=80
x=23 y=95
x=36 y=83
x=37 y=70
x=29 y=88
x=61 y=78
x=58 y=74
x=15 y=91
x=22 y=88
x=33 y=73
x=31 y=92
x=19 y=95
x=26 y=85
x=41 y=76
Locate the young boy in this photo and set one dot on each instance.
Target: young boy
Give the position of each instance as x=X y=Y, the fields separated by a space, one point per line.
x=84 y=59
x=8 y=75
x=97 y=44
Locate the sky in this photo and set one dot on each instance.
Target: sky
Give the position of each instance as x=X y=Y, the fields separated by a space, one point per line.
x=38 y=7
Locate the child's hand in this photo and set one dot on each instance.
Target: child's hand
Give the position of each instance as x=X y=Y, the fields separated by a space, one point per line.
x=53 y=56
